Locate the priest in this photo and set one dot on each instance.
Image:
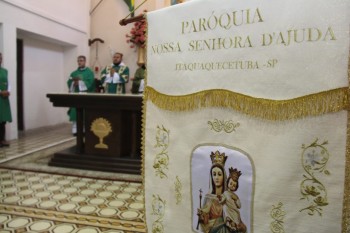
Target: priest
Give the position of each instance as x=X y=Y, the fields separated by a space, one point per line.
x=80 y=80
x=115 y=75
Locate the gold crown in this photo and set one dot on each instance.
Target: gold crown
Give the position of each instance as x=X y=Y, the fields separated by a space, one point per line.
x=217 y=158
x=234 y=173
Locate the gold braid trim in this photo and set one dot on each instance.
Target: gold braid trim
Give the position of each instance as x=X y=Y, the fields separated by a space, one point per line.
x=309 y=105
x=346 y=199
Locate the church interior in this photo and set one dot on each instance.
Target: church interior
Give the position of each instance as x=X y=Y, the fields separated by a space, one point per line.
x=40 y=42
x=130 y=116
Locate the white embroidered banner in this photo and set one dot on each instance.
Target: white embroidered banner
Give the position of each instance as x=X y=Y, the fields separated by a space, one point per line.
x=267 y=49
x=245 y=121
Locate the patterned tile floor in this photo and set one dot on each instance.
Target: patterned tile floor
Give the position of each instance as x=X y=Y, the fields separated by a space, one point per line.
x=40 y=202
x=32 y=201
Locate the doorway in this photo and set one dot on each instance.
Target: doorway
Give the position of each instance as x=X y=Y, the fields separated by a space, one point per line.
x=19 y=85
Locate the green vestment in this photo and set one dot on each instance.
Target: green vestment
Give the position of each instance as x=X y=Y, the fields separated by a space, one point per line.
x=87 y=76
x=5 y=114
x=139 y=75
x=110 y=85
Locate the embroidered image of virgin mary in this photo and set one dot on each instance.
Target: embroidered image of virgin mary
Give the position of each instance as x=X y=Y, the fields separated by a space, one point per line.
x=220 y=210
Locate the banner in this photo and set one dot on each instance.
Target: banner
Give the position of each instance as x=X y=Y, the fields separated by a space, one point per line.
x=245 y=117
x=131 y=4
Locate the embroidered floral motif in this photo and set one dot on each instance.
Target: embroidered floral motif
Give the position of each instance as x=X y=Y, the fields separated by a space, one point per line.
x=277 y=215
x=314 y=161
x=158 y=209
x=157 y=227
x=227 y=126
x=161 y=160
x=178 y=189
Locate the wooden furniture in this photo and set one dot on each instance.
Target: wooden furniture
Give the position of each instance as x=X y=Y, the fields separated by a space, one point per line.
x=108 y=132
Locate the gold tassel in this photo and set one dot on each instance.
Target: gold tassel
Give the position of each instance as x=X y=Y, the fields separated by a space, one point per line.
x=309 y=105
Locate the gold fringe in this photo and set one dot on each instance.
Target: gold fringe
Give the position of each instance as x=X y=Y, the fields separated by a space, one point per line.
x=310 y=105
x=143 y=129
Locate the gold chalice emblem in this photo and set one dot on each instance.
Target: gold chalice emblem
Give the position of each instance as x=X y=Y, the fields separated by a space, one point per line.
x=101 y=128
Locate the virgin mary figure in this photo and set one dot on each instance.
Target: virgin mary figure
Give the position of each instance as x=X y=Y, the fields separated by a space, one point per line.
x=211 y=218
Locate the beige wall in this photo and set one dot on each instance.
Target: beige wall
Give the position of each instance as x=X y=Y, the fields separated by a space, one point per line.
x=53 y=35
x=71 y=13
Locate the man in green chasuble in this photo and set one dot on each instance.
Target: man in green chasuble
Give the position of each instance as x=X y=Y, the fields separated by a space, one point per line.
x=5 y=109
x=115 y=76
x=81 y=80
x=138 y=79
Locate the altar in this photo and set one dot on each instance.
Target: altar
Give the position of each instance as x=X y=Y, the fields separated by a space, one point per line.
x=108 y=132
